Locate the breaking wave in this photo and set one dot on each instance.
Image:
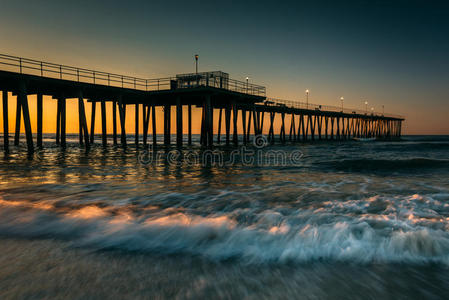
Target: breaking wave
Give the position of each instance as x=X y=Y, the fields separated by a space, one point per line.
x=312 y=235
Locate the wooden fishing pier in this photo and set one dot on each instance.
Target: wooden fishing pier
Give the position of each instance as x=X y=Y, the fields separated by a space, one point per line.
x=207 y=90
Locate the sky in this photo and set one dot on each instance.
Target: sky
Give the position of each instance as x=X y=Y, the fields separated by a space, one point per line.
x=391 y=53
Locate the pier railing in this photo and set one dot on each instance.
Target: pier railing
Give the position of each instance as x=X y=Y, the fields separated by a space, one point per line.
x=57 y=71
x=184 y=81
x=318 y=107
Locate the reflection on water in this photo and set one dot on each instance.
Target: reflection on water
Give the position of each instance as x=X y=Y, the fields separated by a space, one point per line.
x=361 y=211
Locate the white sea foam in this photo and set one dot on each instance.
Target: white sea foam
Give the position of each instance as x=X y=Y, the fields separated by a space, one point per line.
x=403 y=233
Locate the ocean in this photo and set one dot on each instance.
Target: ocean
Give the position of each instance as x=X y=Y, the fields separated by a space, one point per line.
x=317 y=220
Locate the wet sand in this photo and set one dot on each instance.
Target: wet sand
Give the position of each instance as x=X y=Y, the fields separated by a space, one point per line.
x=46 y=269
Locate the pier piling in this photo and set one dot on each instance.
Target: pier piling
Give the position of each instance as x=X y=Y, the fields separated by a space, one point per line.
x=122 y=116
x=104 y=138
x=219 y=125
x=23 y=98
x=167 y=124
x=228 y=123
x=63 y=117
x=92 y=122
x=114 y=122
x=136 y=130
x=153 y=125
x=209 y=91
x=189 y=112
x=18 y=121
x=83 y=122
x=5 y=121
x=178 y=122
x=39 y=119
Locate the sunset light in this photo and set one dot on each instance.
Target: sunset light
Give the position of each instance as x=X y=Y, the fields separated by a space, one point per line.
x=306 y=156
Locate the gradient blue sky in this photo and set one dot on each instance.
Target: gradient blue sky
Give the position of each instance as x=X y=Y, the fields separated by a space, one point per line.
x=392 y=53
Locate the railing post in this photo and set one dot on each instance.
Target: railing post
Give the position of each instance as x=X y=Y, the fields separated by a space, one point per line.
x=122 y=81
x=60 y=72
x=109 y=81
x=78 y=74
x=94 y=76
x=42 y=71
x=134 y=83
x=20 y=65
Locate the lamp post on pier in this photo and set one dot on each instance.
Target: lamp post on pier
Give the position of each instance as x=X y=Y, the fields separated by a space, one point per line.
x=247 y=79
x=196 y=70
x=342 y=99
x=196 y=64
x=366 y=107
x=307 y=99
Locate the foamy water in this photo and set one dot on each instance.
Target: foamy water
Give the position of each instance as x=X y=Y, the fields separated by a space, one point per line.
x=352 y=204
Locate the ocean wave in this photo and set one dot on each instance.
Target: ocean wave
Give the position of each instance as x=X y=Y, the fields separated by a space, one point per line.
x=390 y=165
x=219 y=237
x=426 y=138
x=413 y=146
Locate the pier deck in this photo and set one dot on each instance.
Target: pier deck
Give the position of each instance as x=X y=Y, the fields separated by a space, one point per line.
x=208 y=90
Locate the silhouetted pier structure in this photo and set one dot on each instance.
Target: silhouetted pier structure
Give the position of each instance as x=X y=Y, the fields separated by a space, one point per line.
x=208 y=90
